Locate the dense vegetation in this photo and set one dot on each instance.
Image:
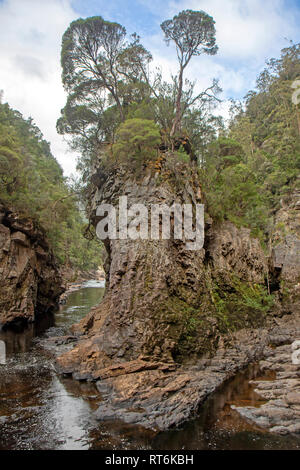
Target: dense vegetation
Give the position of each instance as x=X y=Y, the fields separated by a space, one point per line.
x=109 y=81
x=118 y=109
x=256 y=162
x=32 y=181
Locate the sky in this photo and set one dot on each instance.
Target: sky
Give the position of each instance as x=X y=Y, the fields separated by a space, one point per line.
x=248 y=33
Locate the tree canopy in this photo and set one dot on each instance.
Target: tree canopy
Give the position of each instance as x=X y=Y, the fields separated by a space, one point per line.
x=137 y=138
x=108 y=79
x=255 y=164
x=32 y=182
x=102 y=73
x=193 y=33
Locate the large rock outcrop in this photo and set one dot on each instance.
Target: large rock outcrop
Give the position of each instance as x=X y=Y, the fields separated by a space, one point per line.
x=164 y=306
x=29 y=277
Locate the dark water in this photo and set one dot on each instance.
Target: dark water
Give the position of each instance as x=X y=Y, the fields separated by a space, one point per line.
x=40 y=410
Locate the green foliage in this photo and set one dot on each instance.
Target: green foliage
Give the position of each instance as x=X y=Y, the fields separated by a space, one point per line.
x=144 y=110
x=108 y=80
x=247 y=173
x=102 y=73
x=240 y=304
x=193 y=33
x=137 y=138
x=232 y=189
x=32 y=182
x=182 y=156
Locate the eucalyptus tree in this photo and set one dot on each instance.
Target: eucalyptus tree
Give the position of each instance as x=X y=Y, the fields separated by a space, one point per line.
x=101 y=72
x=193 y=33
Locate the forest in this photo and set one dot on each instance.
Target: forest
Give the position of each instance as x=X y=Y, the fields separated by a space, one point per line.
x=33 y=183
x=165 y=346
x=122 y=112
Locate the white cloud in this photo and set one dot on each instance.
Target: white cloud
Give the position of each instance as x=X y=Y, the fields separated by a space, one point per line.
x=247 y=29
x=30 y=39
x=248 y=32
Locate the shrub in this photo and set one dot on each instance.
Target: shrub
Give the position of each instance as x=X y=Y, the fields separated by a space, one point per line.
x=137 y=139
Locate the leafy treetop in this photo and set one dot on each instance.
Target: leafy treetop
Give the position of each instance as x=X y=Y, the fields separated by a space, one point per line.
x=193 y=33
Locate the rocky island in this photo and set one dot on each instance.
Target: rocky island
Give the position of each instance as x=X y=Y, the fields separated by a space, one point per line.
x=175 y=323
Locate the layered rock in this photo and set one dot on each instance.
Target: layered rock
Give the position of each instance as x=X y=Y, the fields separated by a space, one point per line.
x=285 y=256
x=233 y=250
x=281 y=412
x=29 y=275
x=162 y=307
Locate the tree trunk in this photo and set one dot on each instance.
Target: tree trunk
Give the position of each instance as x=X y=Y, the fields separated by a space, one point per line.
x=119 y=107
x=177 y=120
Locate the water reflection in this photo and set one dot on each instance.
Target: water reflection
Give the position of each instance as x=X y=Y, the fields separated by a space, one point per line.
x=18 y=338
x=40 y=410
x=79 y=304
x=37 y=409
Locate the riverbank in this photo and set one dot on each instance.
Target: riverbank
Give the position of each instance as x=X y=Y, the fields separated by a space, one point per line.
x=281 y=412
x=71 y=285
x=161 y=395
x=41 y=409
x=30 y=278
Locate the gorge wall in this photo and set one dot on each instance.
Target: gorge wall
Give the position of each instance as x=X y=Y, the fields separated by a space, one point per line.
x=29 y=276
x=285 y=252
x=173 y=323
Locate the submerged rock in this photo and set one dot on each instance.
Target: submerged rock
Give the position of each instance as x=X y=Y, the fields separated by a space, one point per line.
x=29 y=275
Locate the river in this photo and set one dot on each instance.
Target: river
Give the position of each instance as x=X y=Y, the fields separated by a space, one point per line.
x=41 y=410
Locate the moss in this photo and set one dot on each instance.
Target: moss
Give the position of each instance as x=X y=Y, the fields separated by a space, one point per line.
x=225 y=304
x=285 y=292
x=182 y=156
x=239 y=304
x=187 y=327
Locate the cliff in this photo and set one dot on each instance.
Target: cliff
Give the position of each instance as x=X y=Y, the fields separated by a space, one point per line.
x=285 y=252
x=29 y=276
x=167 y=311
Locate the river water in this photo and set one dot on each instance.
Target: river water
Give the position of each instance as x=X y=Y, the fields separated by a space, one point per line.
x=41 y=410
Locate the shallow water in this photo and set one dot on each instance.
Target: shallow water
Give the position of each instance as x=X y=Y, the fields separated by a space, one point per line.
x=41 y=410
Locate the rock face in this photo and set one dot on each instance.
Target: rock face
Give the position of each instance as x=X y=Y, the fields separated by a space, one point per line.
x=162 y=308
x=285 y=257
x=29 y=277
x=233 y=250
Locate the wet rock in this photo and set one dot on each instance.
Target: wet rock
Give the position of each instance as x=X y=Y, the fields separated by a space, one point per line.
x=154 y=345
x=160 y=398
x=29 y=275
x=293 y=398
